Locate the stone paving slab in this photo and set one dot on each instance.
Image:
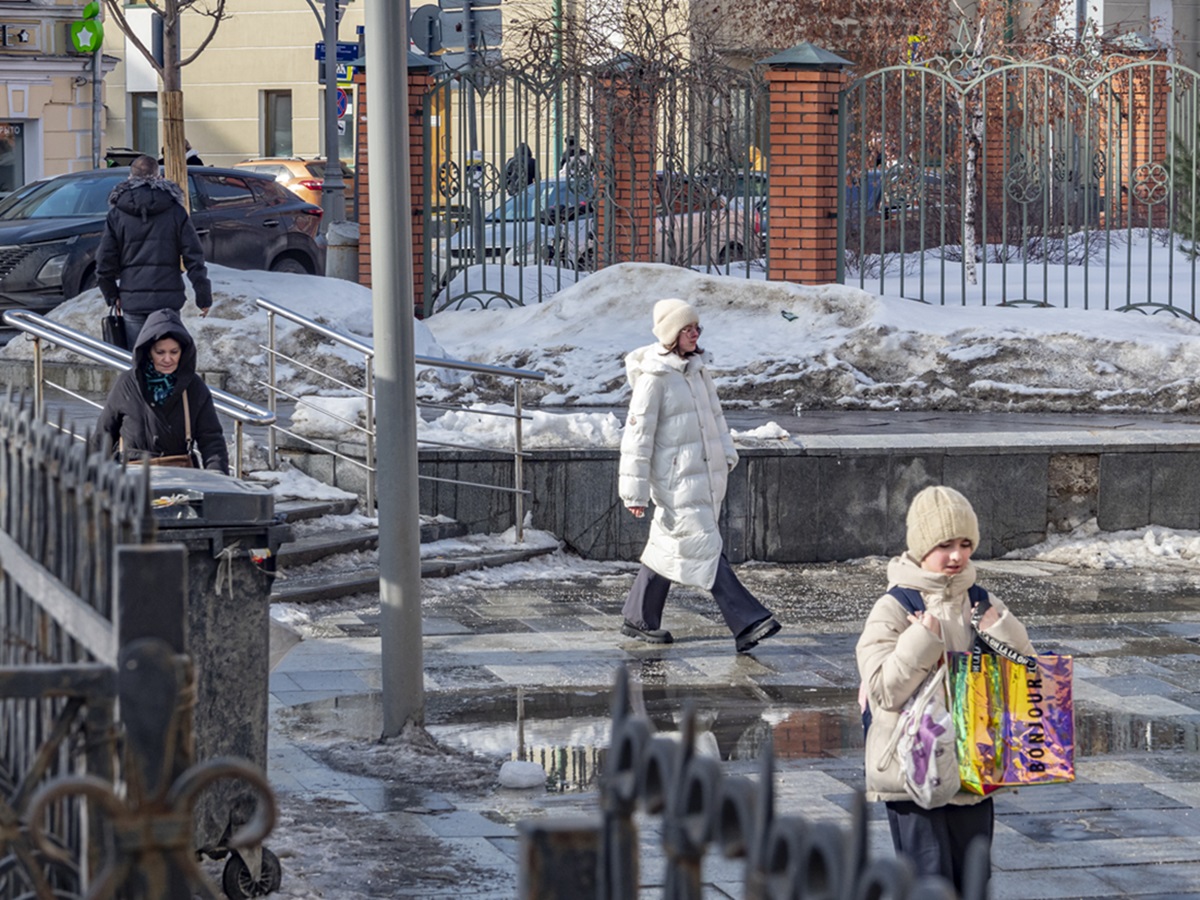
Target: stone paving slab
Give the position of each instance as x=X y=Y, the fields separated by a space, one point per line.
x=1128 y=827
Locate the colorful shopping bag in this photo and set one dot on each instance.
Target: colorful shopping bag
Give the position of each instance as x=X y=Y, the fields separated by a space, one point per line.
x=1015 y=724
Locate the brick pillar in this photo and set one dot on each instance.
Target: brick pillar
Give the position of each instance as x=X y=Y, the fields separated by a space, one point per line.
x=360 y=176
x=803 y=84
x=624 y=156
x=420 y=81
x=1139 y=159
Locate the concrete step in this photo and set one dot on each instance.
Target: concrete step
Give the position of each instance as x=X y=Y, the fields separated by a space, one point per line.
x=331 y=585
x=299 y=510
x=314 y=547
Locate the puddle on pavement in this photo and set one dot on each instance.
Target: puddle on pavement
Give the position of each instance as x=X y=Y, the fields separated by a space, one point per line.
x=567 y=732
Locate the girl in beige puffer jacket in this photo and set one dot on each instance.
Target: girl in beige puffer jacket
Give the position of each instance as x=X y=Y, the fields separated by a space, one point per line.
x=895 y=653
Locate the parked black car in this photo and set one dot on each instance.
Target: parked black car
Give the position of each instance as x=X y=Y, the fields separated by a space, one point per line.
x=50 y=229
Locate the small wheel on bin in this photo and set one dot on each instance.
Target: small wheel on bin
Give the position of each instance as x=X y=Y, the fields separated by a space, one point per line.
x=239 y=885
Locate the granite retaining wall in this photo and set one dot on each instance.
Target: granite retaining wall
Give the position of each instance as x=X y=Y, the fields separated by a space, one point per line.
x=845 y=496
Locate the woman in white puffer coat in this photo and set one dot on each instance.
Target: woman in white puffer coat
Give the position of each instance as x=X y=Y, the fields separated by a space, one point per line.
x=676 y=452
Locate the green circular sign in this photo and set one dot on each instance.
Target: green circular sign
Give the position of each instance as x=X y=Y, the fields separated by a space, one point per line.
x=87 y=36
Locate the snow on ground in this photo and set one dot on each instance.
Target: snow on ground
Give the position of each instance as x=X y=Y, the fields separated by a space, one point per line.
x=231 y=339
x=785 y=346
x=1087 y=547
x=773 y=345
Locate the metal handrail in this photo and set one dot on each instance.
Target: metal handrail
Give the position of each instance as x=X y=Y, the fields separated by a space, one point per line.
x=368 y=392
x=369 y=349
x=241 y=411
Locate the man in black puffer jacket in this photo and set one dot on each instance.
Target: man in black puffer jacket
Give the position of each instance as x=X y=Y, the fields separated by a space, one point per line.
x=145 y=407
x=146 y=233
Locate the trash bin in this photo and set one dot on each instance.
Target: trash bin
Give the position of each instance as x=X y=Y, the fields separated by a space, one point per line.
x=231 y=534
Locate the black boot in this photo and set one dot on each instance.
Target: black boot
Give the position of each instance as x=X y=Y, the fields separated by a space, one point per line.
x=649 y=635
x=749 y=637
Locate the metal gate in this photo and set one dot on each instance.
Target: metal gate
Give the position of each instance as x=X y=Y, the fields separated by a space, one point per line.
x=531 y=177
x=91 y=622
x=1055 y=183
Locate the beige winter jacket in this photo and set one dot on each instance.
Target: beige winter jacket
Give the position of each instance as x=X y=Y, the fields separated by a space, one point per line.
x=894 y=656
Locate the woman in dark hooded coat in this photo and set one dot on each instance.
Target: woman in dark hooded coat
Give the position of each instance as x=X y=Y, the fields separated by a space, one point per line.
x=145 y=406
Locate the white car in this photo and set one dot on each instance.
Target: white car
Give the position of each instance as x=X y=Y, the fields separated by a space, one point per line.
x=541 y=223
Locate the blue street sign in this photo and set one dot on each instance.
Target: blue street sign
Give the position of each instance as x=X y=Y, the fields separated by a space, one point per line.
x=345 y=73
x=346 y=52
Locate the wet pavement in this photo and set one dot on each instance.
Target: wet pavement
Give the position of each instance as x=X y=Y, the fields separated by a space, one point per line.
x=524 y=670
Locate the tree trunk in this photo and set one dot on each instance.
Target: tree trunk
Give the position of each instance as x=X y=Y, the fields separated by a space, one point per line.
x=970 y=192
x=174 y=150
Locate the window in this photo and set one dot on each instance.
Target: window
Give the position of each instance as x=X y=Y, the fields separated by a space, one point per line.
x=278 y=172
x=12 y=156
x=143 y=118
x=225 y=191
x=277 y=123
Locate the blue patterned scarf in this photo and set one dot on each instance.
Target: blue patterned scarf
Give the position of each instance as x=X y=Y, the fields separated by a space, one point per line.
x=158 y=385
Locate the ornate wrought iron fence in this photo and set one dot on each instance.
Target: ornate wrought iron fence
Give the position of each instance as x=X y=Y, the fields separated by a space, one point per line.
x=91 y=614
x=1056 y=183
x=704 y=809
x=534 y=179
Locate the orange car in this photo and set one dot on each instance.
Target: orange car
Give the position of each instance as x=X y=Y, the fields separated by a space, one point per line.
x=304 y=177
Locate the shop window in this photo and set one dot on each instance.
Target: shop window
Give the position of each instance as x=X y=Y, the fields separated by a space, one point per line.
x=12 y=157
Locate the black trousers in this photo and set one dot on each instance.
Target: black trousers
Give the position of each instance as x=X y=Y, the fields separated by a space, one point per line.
x=646 y=599
x=936 y=840
x=133 y=327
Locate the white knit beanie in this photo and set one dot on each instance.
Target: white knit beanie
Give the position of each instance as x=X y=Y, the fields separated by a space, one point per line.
x=671 y=316
x=938 y=514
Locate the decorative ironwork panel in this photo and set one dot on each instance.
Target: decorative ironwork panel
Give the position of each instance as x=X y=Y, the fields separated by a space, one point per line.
x=75 y=528
x=62 y=511
x=1008 y=182
x=702 y=811
x=534 y=179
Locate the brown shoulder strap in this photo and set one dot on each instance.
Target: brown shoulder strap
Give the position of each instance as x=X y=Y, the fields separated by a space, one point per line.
x=187 y=421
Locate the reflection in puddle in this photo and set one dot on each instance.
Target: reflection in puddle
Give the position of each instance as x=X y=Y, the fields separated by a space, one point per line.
x=567 y=732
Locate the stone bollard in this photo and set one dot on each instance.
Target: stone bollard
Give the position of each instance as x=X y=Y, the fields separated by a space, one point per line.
x=341 y=255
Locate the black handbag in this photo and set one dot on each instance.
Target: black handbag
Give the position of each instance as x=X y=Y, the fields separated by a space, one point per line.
x=112 y=327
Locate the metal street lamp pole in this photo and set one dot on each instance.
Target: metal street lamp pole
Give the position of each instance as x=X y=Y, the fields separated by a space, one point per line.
x=333 y=191
x=389 y=160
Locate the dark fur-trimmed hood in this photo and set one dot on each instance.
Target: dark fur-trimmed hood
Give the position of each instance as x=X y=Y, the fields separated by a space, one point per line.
x=145 y=196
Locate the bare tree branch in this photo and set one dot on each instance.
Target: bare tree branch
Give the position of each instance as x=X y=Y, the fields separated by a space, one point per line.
x=117 y=11
x=217 y=14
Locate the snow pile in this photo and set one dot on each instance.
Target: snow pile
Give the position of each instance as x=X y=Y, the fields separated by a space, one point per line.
x=287 y=483
x=541 y=431
x=772 y=345
x=1086 y=547
x=781 y=345
x=484 y=543
x=771 y=433
x=233 y=337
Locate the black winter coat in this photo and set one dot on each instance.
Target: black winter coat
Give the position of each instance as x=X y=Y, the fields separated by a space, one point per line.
x=145 y=235
x=161 y=430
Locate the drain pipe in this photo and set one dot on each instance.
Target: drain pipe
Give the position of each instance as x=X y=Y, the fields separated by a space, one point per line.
x=395 y=378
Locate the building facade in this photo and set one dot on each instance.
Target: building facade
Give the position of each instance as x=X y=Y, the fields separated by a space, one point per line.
x=48 y=123
x=255 y=90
